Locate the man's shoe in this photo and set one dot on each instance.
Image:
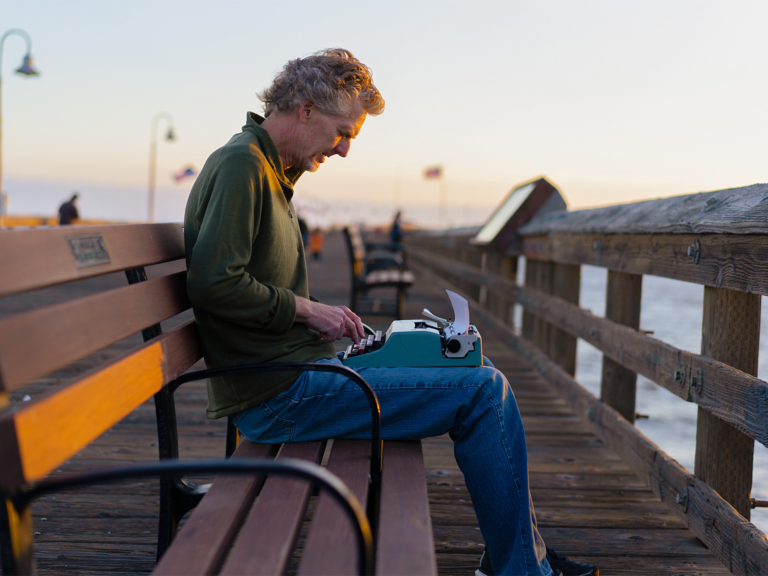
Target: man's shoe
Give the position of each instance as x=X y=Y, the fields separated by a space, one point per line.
x=485 y=566
x=561 y=565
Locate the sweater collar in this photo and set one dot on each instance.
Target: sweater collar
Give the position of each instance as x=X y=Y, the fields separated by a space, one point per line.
x=287 y=177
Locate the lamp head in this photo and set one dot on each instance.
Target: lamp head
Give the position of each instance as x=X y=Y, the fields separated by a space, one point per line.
x=171 y=135
x=26 y=67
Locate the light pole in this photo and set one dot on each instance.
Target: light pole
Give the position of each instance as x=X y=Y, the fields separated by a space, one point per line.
x=27 y=70
x=153 y=158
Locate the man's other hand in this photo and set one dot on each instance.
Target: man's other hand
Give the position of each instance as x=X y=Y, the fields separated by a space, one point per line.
x=332 y=322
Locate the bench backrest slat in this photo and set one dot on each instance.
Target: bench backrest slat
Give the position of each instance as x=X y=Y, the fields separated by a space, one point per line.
x=355 y=250
x=36 y=343
x=50 y=430
x=31 y=259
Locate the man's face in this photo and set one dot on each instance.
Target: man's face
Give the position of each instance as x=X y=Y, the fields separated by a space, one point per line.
x=324 y=135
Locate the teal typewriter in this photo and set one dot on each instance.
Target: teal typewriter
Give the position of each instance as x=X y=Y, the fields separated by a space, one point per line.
x=421 y=343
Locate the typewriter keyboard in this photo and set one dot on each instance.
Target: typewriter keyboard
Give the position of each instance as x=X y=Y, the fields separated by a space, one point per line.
x=370 y=344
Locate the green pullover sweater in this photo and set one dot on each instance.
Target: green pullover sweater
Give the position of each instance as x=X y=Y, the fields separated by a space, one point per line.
x=245 y=267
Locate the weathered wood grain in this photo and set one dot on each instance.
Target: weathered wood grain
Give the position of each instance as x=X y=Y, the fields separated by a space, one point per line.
x=266 y=540
x=734 y=396
x=328 y=549
x=216 y=520
x=618 y=385
x=733 y=211
x=730 y=333
x=36 y=343
x=405 y=544
x=737 y=262
x=735 y=541
x=128 y=246
x=48 y=431
x=566 y=285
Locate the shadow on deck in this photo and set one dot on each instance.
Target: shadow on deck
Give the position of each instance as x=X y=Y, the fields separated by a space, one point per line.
x=589 y=505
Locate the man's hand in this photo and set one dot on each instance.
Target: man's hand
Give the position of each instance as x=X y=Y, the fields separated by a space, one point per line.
x=332 y=322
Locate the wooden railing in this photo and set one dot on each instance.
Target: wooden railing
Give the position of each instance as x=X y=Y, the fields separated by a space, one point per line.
x=717 y=239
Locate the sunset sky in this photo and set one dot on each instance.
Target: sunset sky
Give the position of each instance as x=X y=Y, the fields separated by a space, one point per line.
x=612 y=101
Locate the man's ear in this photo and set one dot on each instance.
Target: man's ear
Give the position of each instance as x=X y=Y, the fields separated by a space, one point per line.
x=306 y=110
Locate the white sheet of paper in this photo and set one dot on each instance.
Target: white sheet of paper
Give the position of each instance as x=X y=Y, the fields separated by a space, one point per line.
x=460 y=312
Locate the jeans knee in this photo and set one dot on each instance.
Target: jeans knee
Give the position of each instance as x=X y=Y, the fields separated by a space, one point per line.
x=495 y=384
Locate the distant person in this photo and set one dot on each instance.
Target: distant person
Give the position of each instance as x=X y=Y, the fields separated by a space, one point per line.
x=68 y=211
x=304 y=230
x=316 y=246
x=396 y=234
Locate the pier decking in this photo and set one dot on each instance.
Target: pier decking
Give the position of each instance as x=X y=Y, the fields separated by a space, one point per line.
x=589 y=505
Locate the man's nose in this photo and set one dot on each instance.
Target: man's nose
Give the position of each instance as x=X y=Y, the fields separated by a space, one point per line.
x=342 y=148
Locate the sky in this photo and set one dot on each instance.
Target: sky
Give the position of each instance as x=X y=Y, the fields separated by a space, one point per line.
x=613 y=101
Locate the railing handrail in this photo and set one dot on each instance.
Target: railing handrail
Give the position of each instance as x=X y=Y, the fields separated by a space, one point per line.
x=742 y=210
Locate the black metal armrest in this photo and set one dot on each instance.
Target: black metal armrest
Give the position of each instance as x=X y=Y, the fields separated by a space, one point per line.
x=170 y=468
x=373 y=401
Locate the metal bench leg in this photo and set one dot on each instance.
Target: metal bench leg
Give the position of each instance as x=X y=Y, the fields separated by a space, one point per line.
x=177 y=495
x=16 y=551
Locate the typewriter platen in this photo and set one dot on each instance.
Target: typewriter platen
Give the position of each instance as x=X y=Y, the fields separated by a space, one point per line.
x=435 y=343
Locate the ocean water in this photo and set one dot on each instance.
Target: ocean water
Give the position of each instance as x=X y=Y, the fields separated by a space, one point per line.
x=673 y=310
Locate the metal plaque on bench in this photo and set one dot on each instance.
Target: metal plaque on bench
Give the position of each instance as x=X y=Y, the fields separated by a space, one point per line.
x=88 y=250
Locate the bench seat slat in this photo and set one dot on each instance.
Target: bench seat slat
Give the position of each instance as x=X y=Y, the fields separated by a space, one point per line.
x=405 y=543
x=331 y=546
x=204 y=541
x=36 y=343
x=267 y=538
x=33 y=259
x=52 y=429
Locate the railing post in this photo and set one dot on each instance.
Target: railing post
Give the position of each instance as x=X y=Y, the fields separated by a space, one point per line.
x=543 y=279
x=730 y=333
x=506 y=267
x=618 y=387
x=531 y=267
x=566 y=285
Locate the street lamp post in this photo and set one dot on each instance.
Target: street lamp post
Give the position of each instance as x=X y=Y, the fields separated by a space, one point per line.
x=27 y=70
x=153 y=158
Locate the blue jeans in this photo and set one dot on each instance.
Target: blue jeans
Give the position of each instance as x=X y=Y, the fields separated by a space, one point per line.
x=475 y=406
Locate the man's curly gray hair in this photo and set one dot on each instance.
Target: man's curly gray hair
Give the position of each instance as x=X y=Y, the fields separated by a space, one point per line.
x=331 y=79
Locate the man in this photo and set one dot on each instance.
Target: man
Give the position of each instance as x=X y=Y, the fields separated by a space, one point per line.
x=68 y=211
x=247 y=281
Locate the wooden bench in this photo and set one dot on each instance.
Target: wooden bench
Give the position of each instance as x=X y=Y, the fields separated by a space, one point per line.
x=375 y=271
x=244 y=521
x=375 y=255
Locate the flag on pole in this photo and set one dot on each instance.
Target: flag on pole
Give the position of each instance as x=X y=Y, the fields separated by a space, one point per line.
x=433 y=172
x=187 y=172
